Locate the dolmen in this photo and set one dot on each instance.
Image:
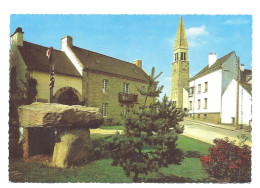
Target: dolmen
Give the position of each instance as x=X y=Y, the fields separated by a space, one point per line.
x=60 y=130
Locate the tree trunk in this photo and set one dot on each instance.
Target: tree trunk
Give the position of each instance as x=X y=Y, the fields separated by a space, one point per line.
x=135 y=178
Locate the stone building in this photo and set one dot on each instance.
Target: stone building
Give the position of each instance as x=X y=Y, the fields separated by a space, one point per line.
x=95 y=79
x=180 y=69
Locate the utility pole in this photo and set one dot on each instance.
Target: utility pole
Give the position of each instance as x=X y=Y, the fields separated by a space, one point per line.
x=237 y=102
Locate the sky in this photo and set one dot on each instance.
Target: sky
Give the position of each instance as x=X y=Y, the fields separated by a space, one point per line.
x=146 y=37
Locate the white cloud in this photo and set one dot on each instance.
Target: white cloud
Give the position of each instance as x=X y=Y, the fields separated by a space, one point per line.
x=237 y=21
x=196 y=31
x=195 y=35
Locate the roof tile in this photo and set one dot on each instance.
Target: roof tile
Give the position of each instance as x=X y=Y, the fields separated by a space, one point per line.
x=35 y=59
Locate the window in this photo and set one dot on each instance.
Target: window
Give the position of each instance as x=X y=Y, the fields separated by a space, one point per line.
x=182 y=56
x=143 y=89
x=205 y=103
x=191 y=90
x=198 y=104
x=104 y=109
x=126 y=87
x=176 y=56
x=185 y=56
x=190 y=105
x=206 y=87
x=199 y=88
x=104 y=86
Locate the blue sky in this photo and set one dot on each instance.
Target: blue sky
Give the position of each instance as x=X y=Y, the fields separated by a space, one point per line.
x=146 y=37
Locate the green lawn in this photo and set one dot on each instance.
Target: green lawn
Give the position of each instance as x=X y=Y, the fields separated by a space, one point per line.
x=119 y=127
x=102 y=171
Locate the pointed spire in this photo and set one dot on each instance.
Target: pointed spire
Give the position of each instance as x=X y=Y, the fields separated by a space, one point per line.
x=180 y=40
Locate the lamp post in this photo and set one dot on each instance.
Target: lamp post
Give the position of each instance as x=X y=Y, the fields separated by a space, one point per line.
x=239 y=68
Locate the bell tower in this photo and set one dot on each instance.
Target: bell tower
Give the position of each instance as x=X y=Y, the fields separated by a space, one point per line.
x=180 y=67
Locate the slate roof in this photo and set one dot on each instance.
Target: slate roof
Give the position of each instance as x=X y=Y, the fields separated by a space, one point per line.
x=216 y=66
x=247 y=87
x=35 y=59
x=245 y=73
x=102 y=63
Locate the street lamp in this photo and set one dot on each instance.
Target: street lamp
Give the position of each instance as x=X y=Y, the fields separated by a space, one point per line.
x=239 y=68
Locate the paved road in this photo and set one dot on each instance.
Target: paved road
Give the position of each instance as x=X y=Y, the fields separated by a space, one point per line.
x=197 y=131
x=208 y=133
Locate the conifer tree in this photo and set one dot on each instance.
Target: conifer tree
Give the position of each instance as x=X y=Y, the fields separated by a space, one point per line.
x=149 y=142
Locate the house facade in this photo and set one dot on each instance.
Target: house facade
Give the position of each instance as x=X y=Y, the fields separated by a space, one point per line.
x=30 y=61
x=212 y=96
x=95 y=79
x=228 y=112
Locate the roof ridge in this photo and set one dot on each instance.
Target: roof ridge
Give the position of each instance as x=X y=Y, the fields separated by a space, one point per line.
x=212 y=66
x=43 y=46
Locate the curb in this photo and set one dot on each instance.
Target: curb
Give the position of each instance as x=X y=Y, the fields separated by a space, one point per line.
x=217 y=126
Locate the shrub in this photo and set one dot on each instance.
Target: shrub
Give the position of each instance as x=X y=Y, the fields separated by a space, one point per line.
x=228 y=162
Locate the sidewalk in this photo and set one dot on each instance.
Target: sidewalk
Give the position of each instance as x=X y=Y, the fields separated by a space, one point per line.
x=209 y=135
x=228 y=127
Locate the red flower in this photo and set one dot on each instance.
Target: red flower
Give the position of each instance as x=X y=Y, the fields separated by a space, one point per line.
x=232 y=165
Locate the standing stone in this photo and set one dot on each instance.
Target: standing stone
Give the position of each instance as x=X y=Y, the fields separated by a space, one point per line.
x=73 y=148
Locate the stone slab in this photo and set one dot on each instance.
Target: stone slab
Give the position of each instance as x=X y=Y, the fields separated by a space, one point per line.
x=57 y=115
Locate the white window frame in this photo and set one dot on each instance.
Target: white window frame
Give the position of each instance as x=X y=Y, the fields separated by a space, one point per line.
x=199 y=88
x=205 y=103
x=206 y=85
x=104 y=109
x=105 y=85
x=126 y=88
x=199 y=104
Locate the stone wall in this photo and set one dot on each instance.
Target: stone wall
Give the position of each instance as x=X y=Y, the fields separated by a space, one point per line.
x=180 y=80
x=92 y=89
x=207 y=117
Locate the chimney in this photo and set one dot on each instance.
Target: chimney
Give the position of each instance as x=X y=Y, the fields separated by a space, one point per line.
x=66 y=42
x=212 y=58
x=138 y=63
x=17 y=37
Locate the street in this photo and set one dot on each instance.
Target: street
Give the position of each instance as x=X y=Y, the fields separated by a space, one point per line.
x=208 y=133
x=198 y=131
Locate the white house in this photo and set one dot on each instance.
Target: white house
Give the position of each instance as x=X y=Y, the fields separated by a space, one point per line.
x=228 y=112
x=211 y=91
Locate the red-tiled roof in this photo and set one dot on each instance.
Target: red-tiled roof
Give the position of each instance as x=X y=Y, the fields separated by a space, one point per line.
x=35 y=59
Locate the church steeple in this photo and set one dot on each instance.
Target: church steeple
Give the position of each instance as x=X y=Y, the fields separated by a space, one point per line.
x=180 y=40
x=180 y=68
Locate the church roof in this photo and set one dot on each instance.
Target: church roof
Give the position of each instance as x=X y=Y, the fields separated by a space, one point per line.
x=181 y=39
x=35 y=59
x=216 y=66
x=102 y=63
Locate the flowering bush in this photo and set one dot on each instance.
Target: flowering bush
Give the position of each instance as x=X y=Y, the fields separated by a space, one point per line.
x=228 y=162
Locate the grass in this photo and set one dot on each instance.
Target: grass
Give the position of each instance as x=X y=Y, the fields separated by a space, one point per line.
x=119 y=127
x=102 y=171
